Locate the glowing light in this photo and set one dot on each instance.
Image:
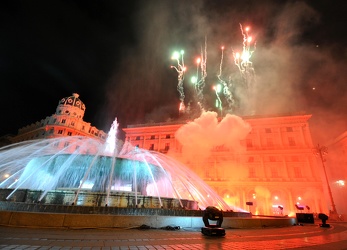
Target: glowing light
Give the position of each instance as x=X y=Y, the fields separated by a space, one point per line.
x=299 y=198
x=182 y=107
x=218 y=88
x=340 y=182
x=276 y=197
x=194 y=79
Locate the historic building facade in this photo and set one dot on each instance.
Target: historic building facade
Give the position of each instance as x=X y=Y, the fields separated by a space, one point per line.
x=66 y=121
x=277 y=173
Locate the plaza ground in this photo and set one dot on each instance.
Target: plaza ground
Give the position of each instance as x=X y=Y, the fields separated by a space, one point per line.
x=305 y=236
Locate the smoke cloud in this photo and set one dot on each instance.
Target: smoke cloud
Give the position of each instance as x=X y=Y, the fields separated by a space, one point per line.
x=199 y=137
x=295 y=70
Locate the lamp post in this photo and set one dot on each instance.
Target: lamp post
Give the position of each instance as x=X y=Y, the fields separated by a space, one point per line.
x=321 y=151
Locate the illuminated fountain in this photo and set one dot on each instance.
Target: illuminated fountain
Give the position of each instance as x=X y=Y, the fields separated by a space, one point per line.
x=85 y=172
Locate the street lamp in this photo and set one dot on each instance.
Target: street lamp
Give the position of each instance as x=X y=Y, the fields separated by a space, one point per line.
x=321 y=151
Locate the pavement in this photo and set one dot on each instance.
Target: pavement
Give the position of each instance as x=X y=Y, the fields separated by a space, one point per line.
x=304 y=236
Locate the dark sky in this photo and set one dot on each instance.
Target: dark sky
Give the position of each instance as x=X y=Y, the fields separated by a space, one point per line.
x=117 y=56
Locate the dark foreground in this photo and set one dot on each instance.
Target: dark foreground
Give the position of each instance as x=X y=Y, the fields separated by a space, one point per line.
x=307 y=236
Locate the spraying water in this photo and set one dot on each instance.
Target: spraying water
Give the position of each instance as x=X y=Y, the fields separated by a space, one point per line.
x=84 y=164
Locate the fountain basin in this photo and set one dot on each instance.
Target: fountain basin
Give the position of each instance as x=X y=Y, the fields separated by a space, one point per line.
x=89 y=198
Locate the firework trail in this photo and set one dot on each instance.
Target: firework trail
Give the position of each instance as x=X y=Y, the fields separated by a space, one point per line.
x=180 y=68
x=200 y=84
x=219 y=105
x=226 y=91
x=245 y=66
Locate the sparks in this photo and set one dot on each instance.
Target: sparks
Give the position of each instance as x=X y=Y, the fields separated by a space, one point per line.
x=226 y=90
x=245 y=66
x=181 y=69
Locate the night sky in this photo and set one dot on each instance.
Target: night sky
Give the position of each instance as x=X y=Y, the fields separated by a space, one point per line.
x=117 y=56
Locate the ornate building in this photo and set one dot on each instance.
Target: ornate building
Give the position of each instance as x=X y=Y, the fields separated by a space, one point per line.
x=277 y=173
x=67 y=121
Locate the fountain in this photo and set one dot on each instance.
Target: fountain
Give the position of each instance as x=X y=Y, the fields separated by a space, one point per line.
x=85 y=172
x=79 y=182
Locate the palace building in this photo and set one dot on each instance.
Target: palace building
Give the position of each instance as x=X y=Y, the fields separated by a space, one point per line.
x=66 y=121
x=276 y=174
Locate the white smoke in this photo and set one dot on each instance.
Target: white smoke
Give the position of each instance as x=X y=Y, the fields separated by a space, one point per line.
x=199 y=137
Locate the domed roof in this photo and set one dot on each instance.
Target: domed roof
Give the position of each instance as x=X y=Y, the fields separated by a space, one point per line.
x=72 y=101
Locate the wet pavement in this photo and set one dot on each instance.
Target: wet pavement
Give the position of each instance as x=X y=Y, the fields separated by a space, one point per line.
x=307 y=236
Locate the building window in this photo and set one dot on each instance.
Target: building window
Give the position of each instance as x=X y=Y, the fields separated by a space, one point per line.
x=272 y=158
x=63 y=121
x=69 y=133
x=274 y=172
x=83 y=127
x=168 y=136
x=167 y=146
x=152 y=137
x=249 y=143
x=268 y=130
x=295 y=158
x=269 y=142
x=51 y=131
x=60 y=132
x=137 y=138
x=291 y=141
x=289 y=129
x=151 y=147
x=66 y=144
x=251 y=172
x=297 y=172
x=72 y=123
